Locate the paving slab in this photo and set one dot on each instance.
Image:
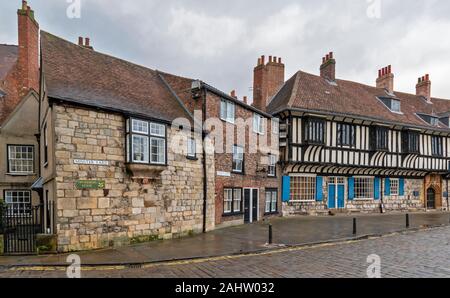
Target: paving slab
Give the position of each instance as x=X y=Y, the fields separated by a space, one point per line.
x=289 y=231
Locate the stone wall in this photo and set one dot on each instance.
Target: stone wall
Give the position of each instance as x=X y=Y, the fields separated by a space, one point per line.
x=166 y=204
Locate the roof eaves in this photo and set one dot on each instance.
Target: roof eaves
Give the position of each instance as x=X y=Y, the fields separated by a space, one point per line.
x=106 y=108
x=230 y=98
x=359 y=117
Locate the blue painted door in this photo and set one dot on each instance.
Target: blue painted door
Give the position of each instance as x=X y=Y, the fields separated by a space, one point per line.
x=341 y=196
x=331 y=196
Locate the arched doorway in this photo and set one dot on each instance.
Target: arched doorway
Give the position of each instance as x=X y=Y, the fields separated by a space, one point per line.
x=431 y=198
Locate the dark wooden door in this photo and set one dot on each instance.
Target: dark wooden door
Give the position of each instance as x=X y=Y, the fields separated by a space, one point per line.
x=247 y=195
x=431 y=199
x=255 y=205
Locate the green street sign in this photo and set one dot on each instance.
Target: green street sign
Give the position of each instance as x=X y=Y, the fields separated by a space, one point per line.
x=90 y=184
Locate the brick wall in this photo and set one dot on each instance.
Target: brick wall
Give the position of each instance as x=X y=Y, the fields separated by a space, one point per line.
x=170 y=204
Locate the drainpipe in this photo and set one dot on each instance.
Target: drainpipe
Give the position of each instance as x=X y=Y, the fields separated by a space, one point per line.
x=205 y=178
x=382 y=195
x=448 y=207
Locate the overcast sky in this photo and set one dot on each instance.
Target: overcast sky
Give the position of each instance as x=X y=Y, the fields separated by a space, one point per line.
x=219 y=41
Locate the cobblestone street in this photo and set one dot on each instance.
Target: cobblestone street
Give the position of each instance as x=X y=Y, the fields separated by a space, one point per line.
x=409 y=255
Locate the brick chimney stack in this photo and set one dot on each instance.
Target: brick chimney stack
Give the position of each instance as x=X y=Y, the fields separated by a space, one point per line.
x=386 y=79
x=423 y=87
x=267 y=80
x=85 y=42
x=28 y=59
x=328 y=67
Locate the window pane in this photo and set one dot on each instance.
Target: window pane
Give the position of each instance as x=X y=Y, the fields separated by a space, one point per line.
x=268 y=201
x=19 y=202
x=139 y=126
x=394 y=187
x=303 y=188
x=275 y=126
x=157 y=130
x=230 y=112
x=274 y=201
x=157 y=150
x=364 y=188
x=21 y=159
x=140 y=149
x=227 y=200
x=238 y=158
x=191 y=149
x=237 y=200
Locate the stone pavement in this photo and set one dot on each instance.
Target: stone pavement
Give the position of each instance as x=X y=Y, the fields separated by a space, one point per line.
x=242 y=239
x=425 y=253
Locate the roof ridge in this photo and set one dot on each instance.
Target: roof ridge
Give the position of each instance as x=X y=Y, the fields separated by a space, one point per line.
x=294 y=89
x=102 y=54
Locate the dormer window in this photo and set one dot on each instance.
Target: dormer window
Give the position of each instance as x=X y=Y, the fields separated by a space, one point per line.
x=391 y=103
x=430 y=119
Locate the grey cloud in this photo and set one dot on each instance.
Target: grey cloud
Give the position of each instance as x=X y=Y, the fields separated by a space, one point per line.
x=219 y=41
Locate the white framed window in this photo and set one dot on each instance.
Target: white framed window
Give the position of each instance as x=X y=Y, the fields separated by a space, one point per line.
x=258 y=124
x=272 y=170
x=158 y=130
x=227 y=110
x=275 y=125
x=394 y=183
x=139 y=126
x=271 y=201
x=146 y=142
x=140 y=149
x=227 y=201
x=395 y=105
x=158 y=150
x=20 y=159
x=19 y=201
x=238 y=159
x=191 y=147
x=237 y=199
x=303 y=188
x=364 y=188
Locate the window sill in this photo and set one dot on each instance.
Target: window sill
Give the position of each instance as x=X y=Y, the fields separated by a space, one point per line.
x=21 y=174
x=271 y=213
x=192 y=158
x=232 y=214
x=238 y=173
x=227 y=121
x=271 y=176
x=303 y=201
x=149 y=171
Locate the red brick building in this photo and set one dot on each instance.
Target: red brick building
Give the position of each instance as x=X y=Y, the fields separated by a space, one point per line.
x=245 y=138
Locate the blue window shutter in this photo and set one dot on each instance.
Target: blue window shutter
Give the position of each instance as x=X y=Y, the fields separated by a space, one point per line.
x=401 y=186
x=319 y=189
x=376 y=187
x=387 y=187
x=351 y=188
x=286 y=189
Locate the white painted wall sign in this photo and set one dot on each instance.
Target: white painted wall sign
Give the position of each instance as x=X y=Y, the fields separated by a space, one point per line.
x=224 y=174
x=91 y=162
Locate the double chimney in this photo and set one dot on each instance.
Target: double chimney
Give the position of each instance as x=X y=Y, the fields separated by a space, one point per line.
x=267 y=80
x=85 y=42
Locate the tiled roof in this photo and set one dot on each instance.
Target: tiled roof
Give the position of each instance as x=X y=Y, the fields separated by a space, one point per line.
x=310 y=92
x=182 y=87
x=8 y=57
x=83 y=76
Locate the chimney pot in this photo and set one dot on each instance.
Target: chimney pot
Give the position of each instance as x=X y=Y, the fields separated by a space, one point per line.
x=331 y=55
x=87 y=41
x=263 y=59
x=245 y=100
x=389 y=69
x=24 y=5
x=80 y=41
x=270 y=58
x=279 y=60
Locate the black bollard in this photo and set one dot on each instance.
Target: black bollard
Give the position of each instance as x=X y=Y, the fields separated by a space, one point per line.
x=407 y=221
x=270 y=234
x=354 y=226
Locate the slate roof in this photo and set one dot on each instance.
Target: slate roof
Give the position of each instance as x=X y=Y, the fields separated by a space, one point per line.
x=311 y=92
x=83 y=76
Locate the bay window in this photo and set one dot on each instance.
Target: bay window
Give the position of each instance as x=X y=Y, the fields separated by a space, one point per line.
x=314 y=131
x=146 y=142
